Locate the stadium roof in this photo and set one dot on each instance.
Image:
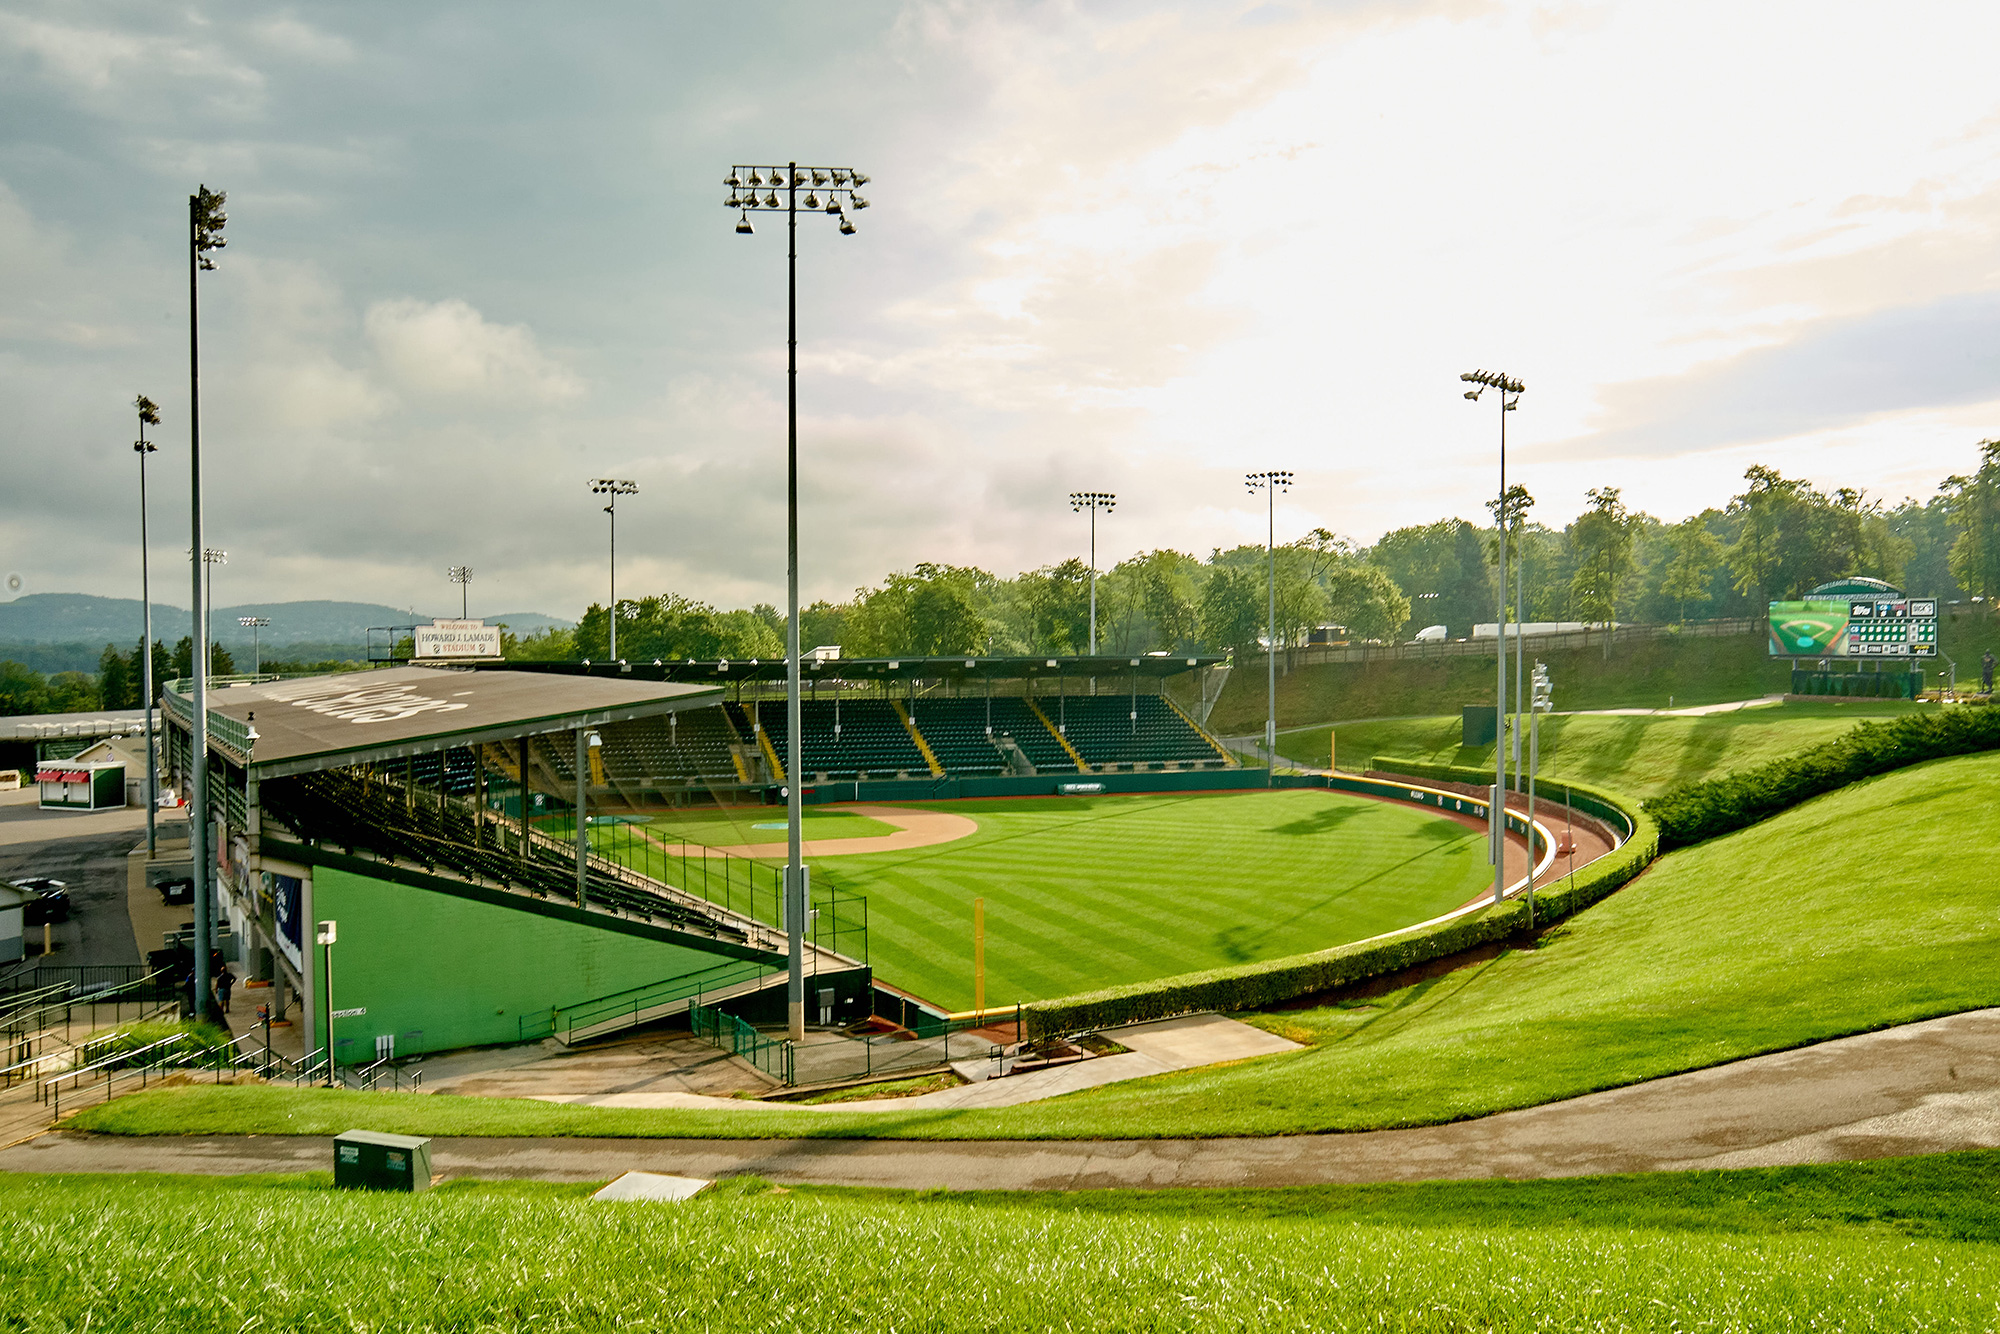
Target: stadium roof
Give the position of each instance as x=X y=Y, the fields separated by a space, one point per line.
x=275 y=728
x=956 y=668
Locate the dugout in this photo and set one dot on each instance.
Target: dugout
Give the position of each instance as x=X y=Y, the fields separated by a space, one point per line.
x=421 y=810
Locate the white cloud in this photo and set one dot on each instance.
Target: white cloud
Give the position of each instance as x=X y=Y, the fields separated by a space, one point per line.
x=447 y=348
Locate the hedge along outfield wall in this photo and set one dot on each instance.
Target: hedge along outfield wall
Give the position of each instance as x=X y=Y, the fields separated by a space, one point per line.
x=1249 y=986
x=1731 y=801
x=1049 y=784
x=437 y=971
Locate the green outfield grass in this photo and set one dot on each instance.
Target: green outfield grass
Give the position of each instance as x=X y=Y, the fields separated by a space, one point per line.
x=1720 y=951
x=1641 y=756
x=1085 y=892
x=1867 y=1247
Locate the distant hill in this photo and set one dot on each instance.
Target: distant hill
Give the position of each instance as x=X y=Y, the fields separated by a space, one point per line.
x=71 y=619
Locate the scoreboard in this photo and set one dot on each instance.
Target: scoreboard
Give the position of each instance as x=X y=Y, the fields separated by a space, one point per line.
x=1838 y=628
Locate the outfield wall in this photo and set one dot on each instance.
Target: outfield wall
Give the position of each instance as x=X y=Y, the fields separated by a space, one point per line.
x=438 y=972
x=1033 y=785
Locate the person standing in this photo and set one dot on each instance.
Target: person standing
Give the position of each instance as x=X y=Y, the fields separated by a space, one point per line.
x=225 y=982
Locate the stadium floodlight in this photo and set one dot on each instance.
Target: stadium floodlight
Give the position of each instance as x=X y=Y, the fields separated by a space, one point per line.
x=462 y=576
x=838 y=184
x=1093 y=501
x=1510 y=398
x=613 y=487
x=253 y=624
x=149 y=415
x=1270 y=483
x=211 y=556
x=205 y=223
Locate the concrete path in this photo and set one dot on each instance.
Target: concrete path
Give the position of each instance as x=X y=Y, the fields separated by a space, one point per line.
x=1156 y=1049
x=1697 y=711
x=1922 y=1088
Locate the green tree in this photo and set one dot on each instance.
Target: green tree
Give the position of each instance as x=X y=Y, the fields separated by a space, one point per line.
x=1972 y=505
x=552 y=643
x=22 y=689
x=1161 y=589
x=1694 y=557
x=1232 y=609
x=115 y=685
x=1602 y=539
x=1056 y=599
x=183 y=659
x=931 y=610
x=73 y=692
x=1443 y=565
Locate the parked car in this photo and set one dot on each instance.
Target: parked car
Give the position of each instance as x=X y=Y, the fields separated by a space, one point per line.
x=176 y=893
x=51 y=903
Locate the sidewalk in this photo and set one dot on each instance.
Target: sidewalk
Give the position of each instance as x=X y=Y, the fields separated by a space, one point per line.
x=1930 y=1087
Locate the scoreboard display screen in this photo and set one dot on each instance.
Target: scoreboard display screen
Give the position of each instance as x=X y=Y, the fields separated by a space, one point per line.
x=1837 y=628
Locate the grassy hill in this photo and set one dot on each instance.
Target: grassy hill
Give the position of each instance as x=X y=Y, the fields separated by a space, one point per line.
x=1901 y=1244
x=1718 y=952
x=1646 y=674
x=1640 y=756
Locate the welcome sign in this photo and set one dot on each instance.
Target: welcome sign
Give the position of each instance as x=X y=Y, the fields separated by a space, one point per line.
x=457 y=639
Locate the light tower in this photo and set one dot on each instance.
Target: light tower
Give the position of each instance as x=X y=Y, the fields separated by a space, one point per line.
x=462 y=576
x=613 y=487
x=149 y=415
x=1093 y=501
x=253 y=624
x=1510 y=398
x=1270 y=483
x=840 y=187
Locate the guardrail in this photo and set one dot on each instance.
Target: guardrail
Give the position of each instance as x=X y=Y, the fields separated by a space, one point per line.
x=29 y=1019
x=51 y=1093
x=565 y=1020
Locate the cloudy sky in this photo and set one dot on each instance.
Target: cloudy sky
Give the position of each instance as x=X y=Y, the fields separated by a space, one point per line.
x=478 y=255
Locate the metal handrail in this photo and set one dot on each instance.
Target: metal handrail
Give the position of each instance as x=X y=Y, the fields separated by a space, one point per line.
x=52 y=1088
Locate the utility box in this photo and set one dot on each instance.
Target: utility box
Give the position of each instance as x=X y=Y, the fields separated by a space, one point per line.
x=371 y=1160
x=1477 y=725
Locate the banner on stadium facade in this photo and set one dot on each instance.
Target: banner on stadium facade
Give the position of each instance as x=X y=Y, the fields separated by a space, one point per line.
x=457 y=639
x=288 y=912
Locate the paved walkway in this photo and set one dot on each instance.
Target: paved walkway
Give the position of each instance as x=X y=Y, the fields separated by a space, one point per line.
x=1156 y=1049
x=1922 y=1088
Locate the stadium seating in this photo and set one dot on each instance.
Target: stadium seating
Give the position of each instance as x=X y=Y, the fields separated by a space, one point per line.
x=871 y=743
x=1105 y=732
x=347 y=811
x=685 y=748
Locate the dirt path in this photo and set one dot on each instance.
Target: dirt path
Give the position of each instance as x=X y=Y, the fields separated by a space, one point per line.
x=1921 y=1088
x=914 y=829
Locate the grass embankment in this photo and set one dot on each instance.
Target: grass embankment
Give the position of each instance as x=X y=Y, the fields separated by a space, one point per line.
x=1766 y=939
x=1641 y=756
x=1644 y=675
x=1895 y=1245
x=1085 y=892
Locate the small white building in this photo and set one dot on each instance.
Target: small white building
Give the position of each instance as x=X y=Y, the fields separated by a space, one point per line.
x=13 y=947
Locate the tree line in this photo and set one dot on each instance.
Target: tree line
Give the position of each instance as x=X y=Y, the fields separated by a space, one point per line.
x=1776 y=538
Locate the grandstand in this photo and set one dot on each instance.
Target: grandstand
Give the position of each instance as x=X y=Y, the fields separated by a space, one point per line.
x=886 y=720
x=407 y=806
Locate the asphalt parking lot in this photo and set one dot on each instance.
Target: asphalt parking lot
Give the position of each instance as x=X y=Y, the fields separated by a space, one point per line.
x=88 y=852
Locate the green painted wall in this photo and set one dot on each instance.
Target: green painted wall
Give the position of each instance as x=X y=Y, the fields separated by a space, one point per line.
x=442 y=972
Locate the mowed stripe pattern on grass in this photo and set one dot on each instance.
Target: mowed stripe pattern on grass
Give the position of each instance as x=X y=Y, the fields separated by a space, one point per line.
x=1096 y=891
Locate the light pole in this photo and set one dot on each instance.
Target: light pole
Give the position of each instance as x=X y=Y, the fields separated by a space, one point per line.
x=205 y=223
x=210 y=556
x=1510 y=398
x=613 y=487
x=462 y=576
x=1093 y=501
x=149 y=415
x=253 y=624
x=1270 y=483
x=839 y=185
x=1541 y=702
